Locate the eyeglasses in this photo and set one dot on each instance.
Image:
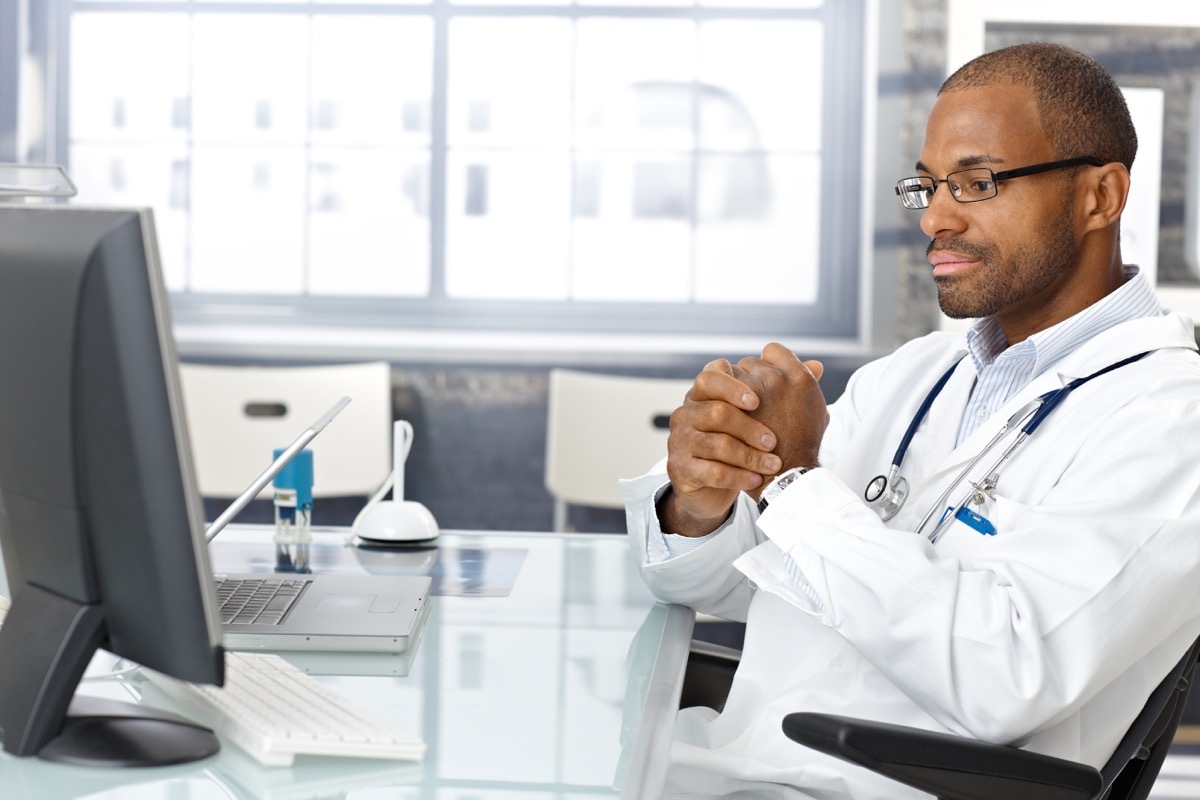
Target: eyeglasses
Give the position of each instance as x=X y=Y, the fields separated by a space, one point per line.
x=977 y=183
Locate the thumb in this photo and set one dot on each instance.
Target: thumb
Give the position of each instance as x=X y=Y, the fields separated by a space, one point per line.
x=816 y=368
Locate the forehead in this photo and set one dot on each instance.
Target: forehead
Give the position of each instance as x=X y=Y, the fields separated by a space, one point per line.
x=999 y=122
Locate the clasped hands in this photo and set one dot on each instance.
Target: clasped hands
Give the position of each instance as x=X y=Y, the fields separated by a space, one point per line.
x=739 y=425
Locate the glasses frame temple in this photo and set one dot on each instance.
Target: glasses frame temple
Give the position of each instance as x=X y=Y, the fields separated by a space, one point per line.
x=1021 y=172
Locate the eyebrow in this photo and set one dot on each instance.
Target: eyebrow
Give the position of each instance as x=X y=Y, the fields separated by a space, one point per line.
x=966 y=162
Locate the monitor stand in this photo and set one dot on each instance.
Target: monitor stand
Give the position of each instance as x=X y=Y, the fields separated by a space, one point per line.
x=39 y=713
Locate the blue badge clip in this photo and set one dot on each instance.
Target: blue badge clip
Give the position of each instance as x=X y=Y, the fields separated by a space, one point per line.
x=976 y=522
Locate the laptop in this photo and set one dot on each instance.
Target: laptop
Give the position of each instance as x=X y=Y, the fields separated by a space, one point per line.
x=298 y=612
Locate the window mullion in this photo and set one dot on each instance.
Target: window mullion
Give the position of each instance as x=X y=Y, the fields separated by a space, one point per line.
x=438 y=152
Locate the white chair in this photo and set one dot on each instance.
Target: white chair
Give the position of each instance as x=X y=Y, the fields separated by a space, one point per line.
x=237 y=415
x=601 y=428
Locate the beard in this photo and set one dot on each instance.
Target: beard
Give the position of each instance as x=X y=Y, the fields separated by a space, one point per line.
x=1000 y=282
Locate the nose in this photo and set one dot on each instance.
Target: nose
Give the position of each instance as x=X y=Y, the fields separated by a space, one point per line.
x=944 y=216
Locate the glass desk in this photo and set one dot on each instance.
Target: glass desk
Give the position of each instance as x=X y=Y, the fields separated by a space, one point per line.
x=545 y=670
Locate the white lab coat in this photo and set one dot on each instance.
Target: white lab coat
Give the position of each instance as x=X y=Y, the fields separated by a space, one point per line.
x=1048 y=635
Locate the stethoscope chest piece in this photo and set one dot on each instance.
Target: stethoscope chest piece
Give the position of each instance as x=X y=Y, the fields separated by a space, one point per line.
x=887 y=493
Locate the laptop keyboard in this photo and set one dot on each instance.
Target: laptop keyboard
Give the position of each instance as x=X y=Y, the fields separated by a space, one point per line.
x=257 y=600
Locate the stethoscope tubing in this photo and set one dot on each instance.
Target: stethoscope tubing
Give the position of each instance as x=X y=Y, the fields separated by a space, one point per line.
x=892 y=479
x=1028 y=418
x=993 y=475
x=1025 y=413
x=926 y=404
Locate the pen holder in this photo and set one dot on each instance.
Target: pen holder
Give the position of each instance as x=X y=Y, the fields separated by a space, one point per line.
x=396 y=521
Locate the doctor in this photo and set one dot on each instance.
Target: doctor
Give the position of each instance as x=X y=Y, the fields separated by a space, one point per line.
x=1044 y=614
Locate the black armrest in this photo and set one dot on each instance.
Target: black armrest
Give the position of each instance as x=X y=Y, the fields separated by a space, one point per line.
x=942 y=764
x=709 y=674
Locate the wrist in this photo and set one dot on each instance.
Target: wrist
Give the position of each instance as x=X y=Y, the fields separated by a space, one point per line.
x=675 y=517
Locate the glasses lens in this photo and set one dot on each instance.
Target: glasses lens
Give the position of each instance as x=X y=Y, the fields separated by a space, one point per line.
x=972 y=185
x=915 y=192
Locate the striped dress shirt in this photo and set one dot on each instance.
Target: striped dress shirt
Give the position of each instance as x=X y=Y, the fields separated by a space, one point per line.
x=1003 y=371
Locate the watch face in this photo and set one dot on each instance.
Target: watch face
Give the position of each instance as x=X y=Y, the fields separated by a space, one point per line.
x=776 y=486
x=788 y=478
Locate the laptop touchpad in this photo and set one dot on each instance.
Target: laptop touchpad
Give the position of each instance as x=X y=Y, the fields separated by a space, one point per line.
x=374 y=604
x=345 y=602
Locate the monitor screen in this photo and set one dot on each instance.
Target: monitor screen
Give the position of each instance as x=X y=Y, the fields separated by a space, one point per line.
x=100 y=521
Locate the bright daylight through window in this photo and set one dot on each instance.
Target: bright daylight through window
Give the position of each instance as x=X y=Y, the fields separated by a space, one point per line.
x=687 y=165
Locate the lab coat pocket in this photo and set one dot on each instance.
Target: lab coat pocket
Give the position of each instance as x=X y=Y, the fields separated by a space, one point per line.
x=972 y=528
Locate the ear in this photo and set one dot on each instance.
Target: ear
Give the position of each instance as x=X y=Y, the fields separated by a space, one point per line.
x=1105 y=190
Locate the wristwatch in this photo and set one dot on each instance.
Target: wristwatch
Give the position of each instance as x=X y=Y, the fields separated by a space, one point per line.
x=778 y=484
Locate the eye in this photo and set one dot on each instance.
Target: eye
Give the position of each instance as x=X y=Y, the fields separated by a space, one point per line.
x=982 y=186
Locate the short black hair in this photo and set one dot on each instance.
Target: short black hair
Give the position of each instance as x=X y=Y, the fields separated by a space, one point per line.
x=1081 y=107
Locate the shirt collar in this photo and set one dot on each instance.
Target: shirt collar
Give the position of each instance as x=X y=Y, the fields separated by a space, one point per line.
x=1134 y=299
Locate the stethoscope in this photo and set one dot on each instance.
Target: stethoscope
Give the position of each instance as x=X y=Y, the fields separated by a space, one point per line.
x=888 y=493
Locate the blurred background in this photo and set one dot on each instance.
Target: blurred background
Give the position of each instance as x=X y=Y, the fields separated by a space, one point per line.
x=480 y=192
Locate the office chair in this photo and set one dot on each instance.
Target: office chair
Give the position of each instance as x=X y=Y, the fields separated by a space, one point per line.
x=956 y=768
x=237 y=415
x=601 y=428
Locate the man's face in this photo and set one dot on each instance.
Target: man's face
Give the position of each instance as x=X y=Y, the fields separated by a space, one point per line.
x=1012 y=256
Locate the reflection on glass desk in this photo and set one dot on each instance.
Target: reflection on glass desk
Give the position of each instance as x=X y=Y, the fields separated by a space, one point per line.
x=545 y=670
x=457 y=568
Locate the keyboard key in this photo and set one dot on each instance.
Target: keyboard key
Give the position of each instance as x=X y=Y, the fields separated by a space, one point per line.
x=266 y=600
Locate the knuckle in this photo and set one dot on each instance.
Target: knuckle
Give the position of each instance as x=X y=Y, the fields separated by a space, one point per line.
x=719 y=365
x=704 y=383
x=710 y=415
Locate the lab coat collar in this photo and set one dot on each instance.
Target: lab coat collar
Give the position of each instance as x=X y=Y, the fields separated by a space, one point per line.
x=1170 y=330
x=1126 y=340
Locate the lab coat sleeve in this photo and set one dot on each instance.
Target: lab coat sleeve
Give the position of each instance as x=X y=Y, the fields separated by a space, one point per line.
x=1071 y=592
x=704 y=578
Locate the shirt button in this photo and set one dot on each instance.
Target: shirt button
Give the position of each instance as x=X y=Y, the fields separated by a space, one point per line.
x=981 y=414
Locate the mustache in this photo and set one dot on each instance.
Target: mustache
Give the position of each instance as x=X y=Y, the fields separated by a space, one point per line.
x=961 y=246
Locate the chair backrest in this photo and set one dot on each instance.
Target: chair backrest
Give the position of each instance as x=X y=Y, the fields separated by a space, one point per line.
x=237 y=415
x=601 y=428
x=1134 y=765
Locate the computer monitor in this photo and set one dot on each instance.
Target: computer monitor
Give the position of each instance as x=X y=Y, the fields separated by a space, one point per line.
x=100 y=521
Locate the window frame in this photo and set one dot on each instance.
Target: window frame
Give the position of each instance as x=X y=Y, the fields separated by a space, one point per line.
x=839 y=319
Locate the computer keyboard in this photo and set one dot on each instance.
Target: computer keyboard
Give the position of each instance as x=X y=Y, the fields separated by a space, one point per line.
x=274 y=712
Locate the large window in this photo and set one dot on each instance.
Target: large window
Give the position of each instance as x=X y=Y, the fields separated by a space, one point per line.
x=690 y=166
